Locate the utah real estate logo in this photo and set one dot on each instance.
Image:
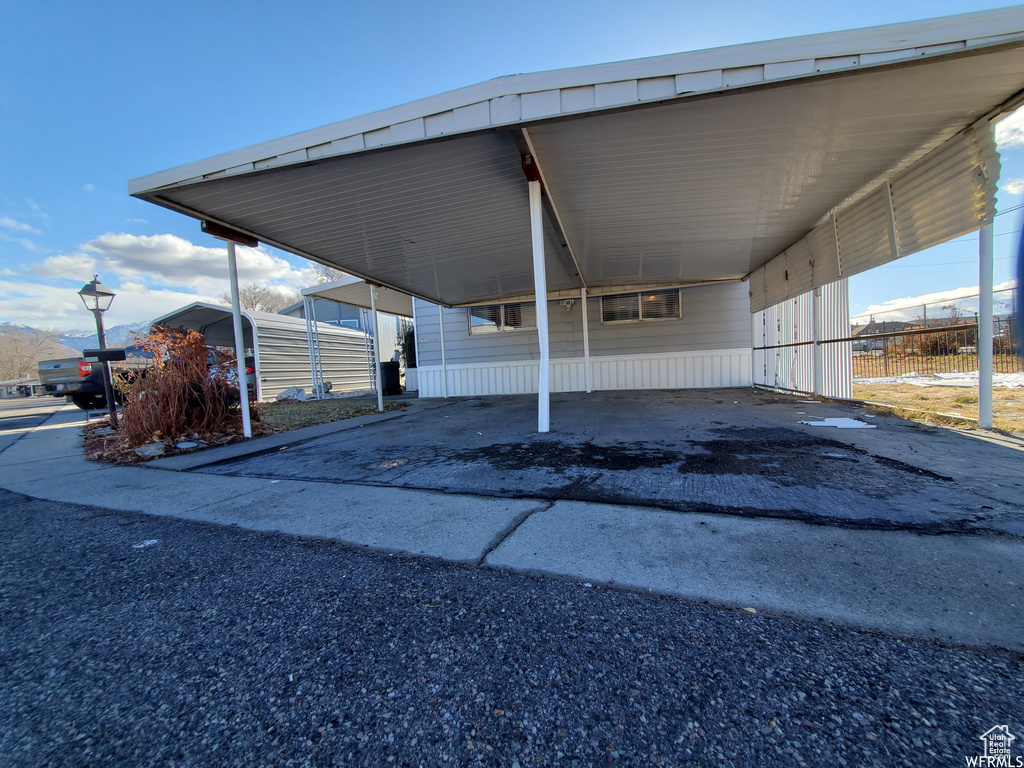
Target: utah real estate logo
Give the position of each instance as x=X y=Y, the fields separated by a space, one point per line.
x=997 y=742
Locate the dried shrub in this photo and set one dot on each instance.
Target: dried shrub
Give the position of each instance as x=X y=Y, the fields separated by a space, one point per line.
x=187 y=389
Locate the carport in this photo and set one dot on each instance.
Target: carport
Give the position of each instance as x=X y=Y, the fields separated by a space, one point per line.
x=357 y=293
x=790 y=164
x=279 y=347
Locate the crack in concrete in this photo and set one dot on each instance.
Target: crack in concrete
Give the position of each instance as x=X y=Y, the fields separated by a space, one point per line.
x=501 y=536
x=979 y=525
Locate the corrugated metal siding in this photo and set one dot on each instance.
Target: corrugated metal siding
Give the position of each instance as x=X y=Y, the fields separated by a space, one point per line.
x=947 y=193
x=834 y=323
x=679 y=370
x=787 y=330
x=388 y=328
x=864 y=233
x=786 y=367
x=283 y=356
x=343 y=360
x=823 y=247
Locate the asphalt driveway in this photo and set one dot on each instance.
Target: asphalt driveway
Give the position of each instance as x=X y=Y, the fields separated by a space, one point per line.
x=737 y=452
x=955 y=574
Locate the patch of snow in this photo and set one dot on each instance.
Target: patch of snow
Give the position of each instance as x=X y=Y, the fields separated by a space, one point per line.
x=839 y=423
x=965 y=379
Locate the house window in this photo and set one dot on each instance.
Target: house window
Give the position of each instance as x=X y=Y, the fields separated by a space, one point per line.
x=493 y=318
x=636 y=307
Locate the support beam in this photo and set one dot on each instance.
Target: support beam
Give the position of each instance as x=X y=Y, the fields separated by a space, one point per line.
x=376 y=348
x=985 y=327
x=587 y=374
x=236 y=324
x=313 y=342
x=540 y=290
x=817 y=348
x=536 y=173
x=416 y=346
x=444 y=359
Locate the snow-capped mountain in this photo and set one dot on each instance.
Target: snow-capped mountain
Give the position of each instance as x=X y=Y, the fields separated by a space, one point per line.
x=117 y=336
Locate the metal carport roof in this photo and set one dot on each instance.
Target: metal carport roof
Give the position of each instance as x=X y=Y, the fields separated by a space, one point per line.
x=355 y=292
x=665 y=171
x=791 y=163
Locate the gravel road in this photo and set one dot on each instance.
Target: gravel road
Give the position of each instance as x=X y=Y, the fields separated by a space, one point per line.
x=136 y=640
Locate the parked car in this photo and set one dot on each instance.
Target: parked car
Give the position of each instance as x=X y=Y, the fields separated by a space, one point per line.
x=82 y=381
x=226 y=364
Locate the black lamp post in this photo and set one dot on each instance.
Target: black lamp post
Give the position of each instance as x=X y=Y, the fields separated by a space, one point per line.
x=97 y=299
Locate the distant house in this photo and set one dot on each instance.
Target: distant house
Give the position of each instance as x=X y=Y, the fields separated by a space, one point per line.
x=331 y=312
x=862 y=333
x=24 y=387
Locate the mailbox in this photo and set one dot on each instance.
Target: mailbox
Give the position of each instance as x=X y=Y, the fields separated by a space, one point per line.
x=103 y=355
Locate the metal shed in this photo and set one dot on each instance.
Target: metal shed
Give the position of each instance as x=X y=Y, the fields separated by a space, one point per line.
x=788 y=164
x=279 y=347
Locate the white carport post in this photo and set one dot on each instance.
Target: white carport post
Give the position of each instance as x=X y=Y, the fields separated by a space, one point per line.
x=236 y=323
x=817 y=352
x=540 y=291
x=586 y=342
x=444 y=359
x=376 y=348
x=985 y=327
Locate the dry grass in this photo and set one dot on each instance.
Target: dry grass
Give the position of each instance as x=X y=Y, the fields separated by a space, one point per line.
x=946 y=404
x=287 y=416
x=870 y=366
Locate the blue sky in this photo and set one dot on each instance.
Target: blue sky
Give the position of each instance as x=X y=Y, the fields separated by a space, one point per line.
x=93 y=94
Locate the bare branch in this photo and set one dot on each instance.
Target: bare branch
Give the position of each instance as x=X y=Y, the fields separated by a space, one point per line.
x=260 y=298
x=21 y=351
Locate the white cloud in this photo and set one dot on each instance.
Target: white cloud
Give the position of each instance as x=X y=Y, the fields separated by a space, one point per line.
x=150 y=275
x=891 y=309
x=42 y=306
x=8 y=223
x=77 y=267
x=47 y=306
x=36 y=208
x=175 y=262
x=1010 y=131
x=1013 y=187
x=22 y=241
x=89 y=187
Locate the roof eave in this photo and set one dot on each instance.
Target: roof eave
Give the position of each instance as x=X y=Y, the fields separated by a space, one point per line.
x=911 y=39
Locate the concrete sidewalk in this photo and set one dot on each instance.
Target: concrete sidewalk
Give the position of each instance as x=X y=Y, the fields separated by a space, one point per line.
x=958 y=588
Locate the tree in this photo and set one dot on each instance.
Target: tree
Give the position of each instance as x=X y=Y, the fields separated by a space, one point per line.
x=327 y=274
x=260 y=298
x=21 y=351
